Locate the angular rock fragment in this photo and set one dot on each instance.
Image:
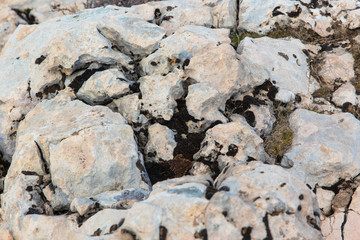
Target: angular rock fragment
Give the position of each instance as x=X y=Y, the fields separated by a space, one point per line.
x=344 y=94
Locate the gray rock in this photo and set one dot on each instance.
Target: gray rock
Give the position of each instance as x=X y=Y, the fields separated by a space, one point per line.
x=103 y=86
x=161 y=143
x=82 y=205
x=199 y=168
x=272 y=202
x=160 y=92
x=345 y=93
x=8 y=23
x=324 y=198
x=234 y=141
x=324 y=148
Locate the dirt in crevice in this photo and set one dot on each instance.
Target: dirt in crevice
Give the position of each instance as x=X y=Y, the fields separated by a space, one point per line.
x=25 y=14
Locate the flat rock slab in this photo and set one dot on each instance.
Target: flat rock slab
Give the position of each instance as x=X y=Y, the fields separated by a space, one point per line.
x=325 y=148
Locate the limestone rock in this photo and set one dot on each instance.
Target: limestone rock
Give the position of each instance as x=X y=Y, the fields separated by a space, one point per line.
x=285 y=64
x=160 y=92
x=351 y=229
x=234 y=141
x=352 y=20
x=161 y=143
x=338 y=67
x=177 y=50
x=273 y=202
x=331 y=226
x=324 y=198
x=199 y=168
x=324 y=148
x=103 y=86
x=345 y=93
x=8 y=23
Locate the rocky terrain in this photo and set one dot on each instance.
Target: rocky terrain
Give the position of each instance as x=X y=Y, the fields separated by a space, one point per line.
x=191 y=119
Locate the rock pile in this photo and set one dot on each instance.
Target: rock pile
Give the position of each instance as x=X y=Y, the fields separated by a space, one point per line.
x=192 y=119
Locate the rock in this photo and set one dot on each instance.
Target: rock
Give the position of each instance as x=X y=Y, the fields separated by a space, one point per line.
x=205 y=103
x=345 y=93
x=212 y=66
x=160 y=92
x=71 y=43
x=274 y=204
x=199 y=168
x=78 y=143
x=128 y=106
x=5 y=234
x=177 y=50
x=324 y=198
x=103 y=86
x=234 y=141
x=337 y=68
x=105 y=220
x=161 y=143
x=82 y=205
x=351 y=229
x=318 y=156
x=286 y=68
x=352 y=20
x=331 y=226
x=8 y=23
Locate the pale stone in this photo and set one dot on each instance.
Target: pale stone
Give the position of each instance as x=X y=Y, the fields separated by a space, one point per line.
x=103 y=86
x=8 y=23
x=199 y=168
x=351 y=228
x=338 y=67
x=82 y=205
x=324 y=148
x=353 y=19
x=345 y=93
x=324 y=198
x=161 y=143
x=235 y=140
x=159 y=94
x=331 y=226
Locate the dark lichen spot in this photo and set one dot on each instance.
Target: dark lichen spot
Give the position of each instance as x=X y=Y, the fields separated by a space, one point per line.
x=29 y=188
x=135 y=87
x=250 y=118
x=40 y=59
x=153 y=64
x=162 y=233
x=202 y=234
x=276 y=12
x=224 y=188
x=246 y=233
x=301 y=197
x=157 y=13
x=295 y=13
x=282 y=185
x=299 y=208
x=209 y=193
x=97 y=232
x=232 y=150
x=283 y=55
x=129 y=232
x=151 y=154
x=29 y=173
x=272 y=93
x=113 y=228
x=186 y=63
x=347 y=107
x=225 y=213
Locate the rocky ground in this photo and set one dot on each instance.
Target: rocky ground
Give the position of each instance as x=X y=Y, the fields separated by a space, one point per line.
x=191 y=119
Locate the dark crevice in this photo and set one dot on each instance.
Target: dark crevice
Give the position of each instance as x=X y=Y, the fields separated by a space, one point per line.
x=26 y=15
x=79 y=80
x=43 y=160
x=267 y=227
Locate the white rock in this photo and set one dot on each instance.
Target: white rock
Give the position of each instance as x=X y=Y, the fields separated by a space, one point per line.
x=103 y=86
x=351 y=229
x=185 y=43
x=234 y=141
x=272 y=202
x=160 y=92
x=331 y=226
x=82 y=205
x=353 y=19
x=161 y=143
x=8 y=23
x=324 y=198
x=324 y=148
x=285 y=63
x=345 y=93
x=103 y=220
x=204 y=102
x=212 y=67
x=88 y=150
x=338 y=67
x=199 y=168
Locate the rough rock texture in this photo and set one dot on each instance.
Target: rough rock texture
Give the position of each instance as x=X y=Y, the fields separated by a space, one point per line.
x=325 y=148
x=345 y=93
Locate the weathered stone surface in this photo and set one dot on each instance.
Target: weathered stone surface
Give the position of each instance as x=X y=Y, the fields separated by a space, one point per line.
x=351 y=228
x=234 y=141
x=199 y=168
x=353 y=19
x=324 y=198
x=8 y=23
x=345 y=93
x=160 y=92
x=103 y=86
x=261 y=201
x=338 y=67
x=87 y=150
x=331 y=226
x=324 y=148
x=178 y=49
x=286 y=65
x=161 y=143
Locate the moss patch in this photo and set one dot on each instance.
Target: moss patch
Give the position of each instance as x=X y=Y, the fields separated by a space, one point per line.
x=280 y=139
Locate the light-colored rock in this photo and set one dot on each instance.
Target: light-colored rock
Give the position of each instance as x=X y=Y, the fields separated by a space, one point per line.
x=331 y=226
x=103 y=86
x=88 y=150
x=285 y=64
x=212 y=67
x=160 y=92
x=351 y=228
x=103 y=220
x=8 y=23
x=345 y=93
x=234 y=141
x=82 y=205
x=337 y=68
x=175 y=50
x=353 y=19
x=128 y=106
x=204 y=103
x=324 y=148
x=5 y=234
x=199 y=168
x=324 y=198
x=161 y=143
x=261 y=199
